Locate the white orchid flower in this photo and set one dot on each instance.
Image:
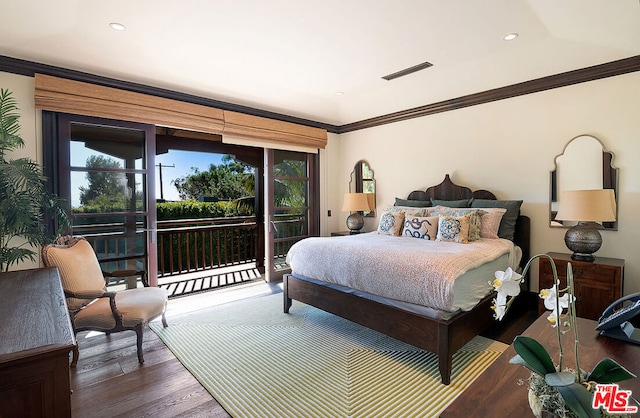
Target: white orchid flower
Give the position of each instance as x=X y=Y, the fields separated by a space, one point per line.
x=507 y=282
x=553 y=318
x=499 y=306
x=549 y=296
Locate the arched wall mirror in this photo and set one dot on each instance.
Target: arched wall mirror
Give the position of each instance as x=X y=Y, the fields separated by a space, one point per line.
x=584 y=164
x=362 y=181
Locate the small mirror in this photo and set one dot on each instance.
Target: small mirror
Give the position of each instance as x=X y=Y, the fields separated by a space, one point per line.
x=584 y=164
x=362 y=181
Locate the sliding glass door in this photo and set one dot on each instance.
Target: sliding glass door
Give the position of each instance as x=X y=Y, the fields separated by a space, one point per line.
x=291 y=196
x=106 y=171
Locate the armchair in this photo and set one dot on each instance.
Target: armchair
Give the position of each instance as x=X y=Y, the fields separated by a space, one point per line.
x=90 y=305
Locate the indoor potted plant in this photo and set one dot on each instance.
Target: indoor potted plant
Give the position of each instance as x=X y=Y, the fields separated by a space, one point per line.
x=553 y=389
x=26 y=206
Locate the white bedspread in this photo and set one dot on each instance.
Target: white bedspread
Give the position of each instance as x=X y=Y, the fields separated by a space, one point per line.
x=402 y=268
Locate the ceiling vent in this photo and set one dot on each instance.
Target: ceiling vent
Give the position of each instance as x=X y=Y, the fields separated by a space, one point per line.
x=408 y=71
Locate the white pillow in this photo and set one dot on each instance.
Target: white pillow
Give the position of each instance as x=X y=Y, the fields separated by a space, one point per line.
x=421 y=227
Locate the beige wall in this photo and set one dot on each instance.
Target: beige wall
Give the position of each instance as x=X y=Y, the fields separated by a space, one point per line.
x=509 y=147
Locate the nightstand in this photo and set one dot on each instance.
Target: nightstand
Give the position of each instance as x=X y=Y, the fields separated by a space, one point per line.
x=597 y=284
x=340 y=233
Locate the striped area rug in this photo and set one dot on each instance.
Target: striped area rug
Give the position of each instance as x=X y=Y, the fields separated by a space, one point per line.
x=259 y=362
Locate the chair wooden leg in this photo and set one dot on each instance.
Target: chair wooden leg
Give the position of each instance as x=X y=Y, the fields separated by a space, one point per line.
x=164 y=321
x=139 y=330
x=76 y=354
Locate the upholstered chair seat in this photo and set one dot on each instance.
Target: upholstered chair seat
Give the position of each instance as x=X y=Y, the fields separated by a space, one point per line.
x=135 y=305
x=91 y=306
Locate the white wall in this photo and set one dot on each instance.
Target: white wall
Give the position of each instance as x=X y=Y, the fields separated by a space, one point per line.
x=509 y=147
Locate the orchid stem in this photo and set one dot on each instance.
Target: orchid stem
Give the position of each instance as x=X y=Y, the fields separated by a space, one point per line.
x=572 y=314
x=558 y=327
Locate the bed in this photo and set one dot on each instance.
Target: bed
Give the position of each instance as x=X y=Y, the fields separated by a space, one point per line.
x=441 y=331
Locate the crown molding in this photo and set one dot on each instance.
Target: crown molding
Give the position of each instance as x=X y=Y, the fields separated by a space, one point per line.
x=596 y=72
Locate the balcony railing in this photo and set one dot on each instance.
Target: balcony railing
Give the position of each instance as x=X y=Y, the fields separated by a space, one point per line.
x=186 y=246
x=194 y=254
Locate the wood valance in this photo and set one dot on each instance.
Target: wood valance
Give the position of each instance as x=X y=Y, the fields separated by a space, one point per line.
x=68 y=96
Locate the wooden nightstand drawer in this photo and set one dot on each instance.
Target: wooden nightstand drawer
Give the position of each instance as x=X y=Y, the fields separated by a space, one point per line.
x=582 y=270
x=596 y=284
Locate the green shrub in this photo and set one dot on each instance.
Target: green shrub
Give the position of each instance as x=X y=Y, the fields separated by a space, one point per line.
x=192 y=209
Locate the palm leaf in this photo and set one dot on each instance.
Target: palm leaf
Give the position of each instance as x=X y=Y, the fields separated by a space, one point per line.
x=25 y=203
x=9 y=122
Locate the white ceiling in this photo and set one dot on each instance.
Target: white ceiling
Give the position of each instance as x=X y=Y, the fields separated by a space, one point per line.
x=293 y=56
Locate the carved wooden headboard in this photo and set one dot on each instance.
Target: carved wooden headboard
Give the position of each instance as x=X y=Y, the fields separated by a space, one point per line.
x=448 y=190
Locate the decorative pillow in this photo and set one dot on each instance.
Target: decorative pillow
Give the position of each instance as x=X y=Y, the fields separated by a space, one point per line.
x=476 y=218
x=421 y=227
x=390 y=223
x=508 y=224
x=462 y=203
x=412 y=203
x=491 y=222
x=454 y=228
x=408 y=210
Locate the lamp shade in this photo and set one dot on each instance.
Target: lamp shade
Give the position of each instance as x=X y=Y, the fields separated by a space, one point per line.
x=587 y=206
x=354 y=202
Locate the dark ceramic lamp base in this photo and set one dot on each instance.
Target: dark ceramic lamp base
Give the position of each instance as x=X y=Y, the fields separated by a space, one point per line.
x=355 y=222
x=584 y=240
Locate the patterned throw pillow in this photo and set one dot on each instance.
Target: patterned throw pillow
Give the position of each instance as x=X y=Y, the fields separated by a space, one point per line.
x=491 y=222
x=391 y=223
x=476 y=218
x=421 y=227
x=508 y=223
x=408 y=210
x=454 y=228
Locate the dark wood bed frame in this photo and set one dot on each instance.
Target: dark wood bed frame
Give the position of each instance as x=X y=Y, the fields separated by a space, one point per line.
x=443 y=337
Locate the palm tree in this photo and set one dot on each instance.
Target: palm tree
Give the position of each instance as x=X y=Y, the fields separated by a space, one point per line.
x=25 y=203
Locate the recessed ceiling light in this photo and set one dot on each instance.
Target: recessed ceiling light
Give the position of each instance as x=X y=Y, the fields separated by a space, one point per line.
x=117 y=26
x=339 y=93
x=510 y=37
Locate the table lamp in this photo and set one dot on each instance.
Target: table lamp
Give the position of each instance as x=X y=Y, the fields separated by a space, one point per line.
x=587 y=207
x=354 y=203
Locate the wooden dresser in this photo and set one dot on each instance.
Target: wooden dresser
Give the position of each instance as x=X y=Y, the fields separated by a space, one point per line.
x=35 y=340
x=597 y=283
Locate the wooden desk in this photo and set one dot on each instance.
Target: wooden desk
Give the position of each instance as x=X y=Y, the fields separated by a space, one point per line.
x=35 y=340
x=496 y=392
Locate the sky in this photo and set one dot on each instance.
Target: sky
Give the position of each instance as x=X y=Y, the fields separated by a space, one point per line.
x=183 y=161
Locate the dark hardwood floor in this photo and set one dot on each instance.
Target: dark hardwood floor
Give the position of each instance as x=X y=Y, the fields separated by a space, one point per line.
x=109 y=382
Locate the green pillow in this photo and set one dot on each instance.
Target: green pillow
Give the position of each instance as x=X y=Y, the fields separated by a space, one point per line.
x=463 y=203
x=507 y=228
x=412 y=203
